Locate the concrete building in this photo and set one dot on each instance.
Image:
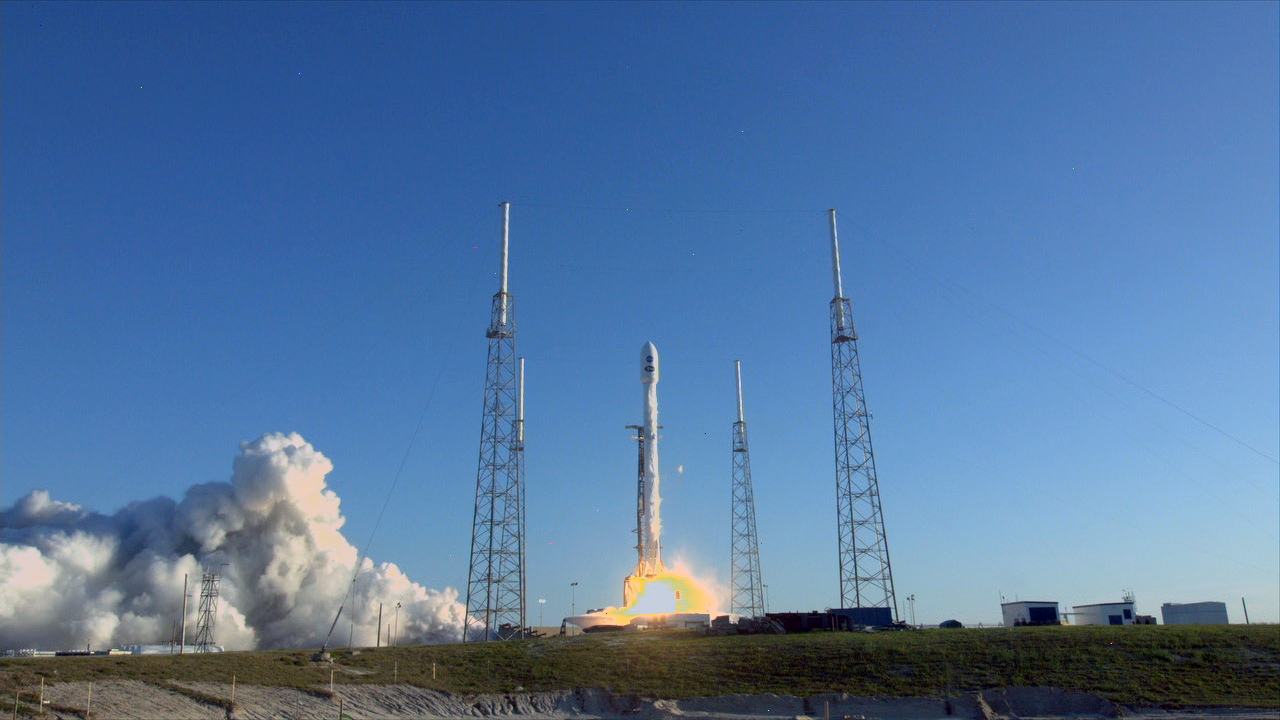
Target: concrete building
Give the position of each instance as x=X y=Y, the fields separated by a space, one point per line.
x=1200 y=613
x=1112 y=613
x=1030 y=612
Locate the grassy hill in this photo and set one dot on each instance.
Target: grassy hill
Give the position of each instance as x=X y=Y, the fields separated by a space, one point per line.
x=1188 y=665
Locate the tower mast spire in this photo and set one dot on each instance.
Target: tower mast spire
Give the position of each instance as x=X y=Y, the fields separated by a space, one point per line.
x=866 y=578
x=746 y=588
x=496 y=578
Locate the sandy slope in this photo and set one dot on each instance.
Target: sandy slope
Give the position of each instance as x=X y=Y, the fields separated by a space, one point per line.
x=134 y=700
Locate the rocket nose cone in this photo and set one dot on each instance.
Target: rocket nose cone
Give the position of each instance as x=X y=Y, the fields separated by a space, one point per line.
x=649 y=363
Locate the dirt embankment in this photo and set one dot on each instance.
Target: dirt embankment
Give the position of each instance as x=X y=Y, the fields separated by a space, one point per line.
x=135 y=700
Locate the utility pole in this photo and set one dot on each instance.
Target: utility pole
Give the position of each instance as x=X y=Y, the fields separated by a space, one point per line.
x=395 y=627
x=182 y=645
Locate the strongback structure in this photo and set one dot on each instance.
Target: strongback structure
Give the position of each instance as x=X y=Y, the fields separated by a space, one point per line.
x=746 y=589
x=866 y=578
x=208 y=608
x=639 y=531
x=496 y=580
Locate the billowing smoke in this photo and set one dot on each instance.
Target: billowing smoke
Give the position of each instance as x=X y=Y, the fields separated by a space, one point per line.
x=71 y=577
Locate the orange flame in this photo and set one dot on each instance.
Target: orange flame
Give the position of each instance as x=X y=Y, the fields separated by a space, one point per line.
x=671 y=591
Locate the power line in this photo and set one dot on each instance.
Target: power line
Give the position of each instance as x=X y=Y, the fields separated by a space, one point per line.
x=1079 y=353
x=404 y=459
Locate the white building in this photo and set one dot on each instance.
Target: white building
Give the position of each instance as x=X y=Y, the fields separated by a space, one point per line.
x=1112 y=613
x=1030 y=612
x=1201 y=613
x=164 y=649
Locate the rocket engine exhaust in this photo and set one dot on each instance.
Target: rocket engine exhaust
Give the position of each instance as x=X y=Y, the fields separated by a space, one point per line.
x=653 y=594
x=69 y=575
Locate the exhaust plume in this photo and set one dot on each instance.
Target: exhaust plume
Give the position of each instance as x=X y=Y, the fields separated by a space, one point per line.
x=70 y=576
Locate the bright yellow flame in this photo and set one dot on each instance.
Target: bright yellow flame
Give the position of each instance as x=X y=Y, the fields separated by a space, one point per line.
x=671 y=591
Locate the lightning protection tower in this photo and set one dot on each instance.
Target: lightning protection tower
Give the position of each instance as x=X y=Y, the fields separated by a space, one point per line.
x=495 y=582
x=747 y=592
x=208 y=608
x=866 y=579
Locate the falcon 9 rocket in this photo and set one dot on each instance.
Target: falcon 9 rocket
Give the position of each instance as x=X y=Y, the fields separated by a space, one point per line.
x=649 y=501
x=649 y=528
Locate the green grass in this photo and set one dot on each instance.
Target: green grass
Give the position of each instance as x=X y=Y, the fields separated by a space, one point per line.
x=1148 y=665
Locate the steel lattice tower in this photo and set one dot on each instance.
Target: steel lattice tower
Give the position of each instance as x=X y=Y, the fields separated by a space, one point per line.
x=519 y=451
x=866 y=578
x=208 y=608
x=747 y=592
x=495 y=582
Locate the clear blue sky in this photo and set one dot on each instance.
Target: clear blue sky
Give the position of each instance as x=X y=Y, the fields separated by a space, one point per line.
x=225 y=219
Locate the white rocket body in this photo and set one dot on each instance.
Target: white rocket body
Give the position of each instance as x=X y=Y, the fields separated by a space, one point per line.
x=649 y=545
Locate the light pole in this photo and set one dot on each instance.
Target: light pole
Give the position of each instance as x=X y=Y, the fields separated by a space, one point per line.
x=541 y=602
x=766 y=596
x=182 y=644
x=573 y=598
x=395 y=627
x=911 y=602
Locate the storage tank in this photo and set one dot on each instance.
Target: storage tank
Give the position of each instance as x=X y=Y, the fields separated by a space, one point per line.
x=1198 y=613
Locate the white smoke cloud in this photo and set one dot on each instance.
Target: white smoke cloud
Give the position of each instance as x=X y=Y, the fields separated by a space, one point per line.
x=69 y=576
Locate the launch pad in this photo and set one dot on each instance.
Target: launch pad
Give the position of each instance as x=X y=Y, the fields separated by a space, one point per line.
x=604 y=622
x=652 y=594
